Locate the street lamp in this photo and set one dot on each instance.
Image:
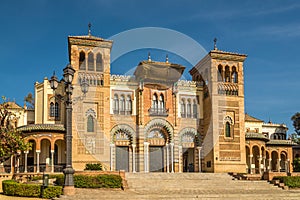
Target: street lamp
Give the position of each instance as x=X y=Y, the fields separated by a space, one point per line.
x=68 y=171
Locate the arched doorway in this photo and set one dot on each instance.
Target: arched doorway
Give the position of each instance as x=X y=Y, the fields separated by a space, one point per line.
x=59 y=157
x=274 y=157
x=159 y=146
x=256 y=158
x=157 y=149
x=189 y=144
x=31 y=163
x=283 y=161
x=123 y=148
x=45 y=155
x=267 y=161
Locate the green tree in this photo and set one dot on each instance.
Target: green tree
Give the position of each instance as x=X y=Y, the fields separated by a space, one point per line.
x=12 y=141
x=296 y=122
x=295 y=138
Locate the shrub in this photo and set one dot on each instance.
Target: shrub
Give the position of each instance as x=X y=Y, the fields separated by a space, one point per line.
x=96 y=166
x=89 y=181
x=98 y=181
x=296 y=165
x=291 y=181
x=13 y=188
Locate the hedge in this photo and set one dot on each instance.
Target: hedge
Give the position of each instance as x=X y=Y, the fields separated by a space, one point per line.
x=89 y=181
x=13 y=188
x=96 y=166
x=291 y=181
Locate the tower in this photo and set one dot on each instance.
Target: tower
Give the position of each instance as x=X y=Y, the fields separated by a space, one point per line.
x=223 y=123
x=90 y=57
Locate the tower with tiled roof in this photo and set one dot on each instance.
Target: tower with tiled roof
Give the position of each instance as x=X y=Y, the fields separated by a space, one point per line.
x=223 y=123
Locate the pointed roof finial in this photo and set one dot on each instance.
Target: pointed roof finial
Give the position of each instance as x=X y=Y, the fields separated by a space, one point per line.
x=89 y=25
x=167 y=58
x=215 y=44
x=149 y=57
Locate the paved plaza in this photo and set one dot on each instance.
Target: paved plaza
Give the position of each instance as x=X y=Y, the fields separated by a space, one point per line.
x=183 y=186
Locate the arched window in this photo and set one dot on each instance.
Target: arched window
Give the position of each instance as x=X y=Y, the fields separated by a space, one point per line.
x=82 y=61
x=90 y=124
x=154 y=103
x=234 y=75
x=128 y=105
x=99 y=64
x=227 y=74
x=52 y=109
x=183 y=109
x=220 y=73
x=161 y=103
x=122 y=105
x=194 y=109
x=227 y=129
x=228 y=126
x=116 y=104
x=189 y=108
x=91 y=61
x=56 y=110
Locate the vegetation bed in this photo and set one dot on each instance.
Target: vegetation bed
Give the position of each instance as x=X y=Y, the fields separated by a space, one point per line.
x=13 y=188
x=291 y=181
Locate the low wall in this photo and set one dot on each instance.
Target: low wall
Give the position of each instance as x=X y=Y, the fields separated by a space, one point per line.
x=270 y=175
x=3 y=177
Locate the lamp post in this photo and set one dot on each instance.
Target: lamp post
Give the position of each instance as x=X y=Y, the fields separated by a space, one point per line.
x=68 y=171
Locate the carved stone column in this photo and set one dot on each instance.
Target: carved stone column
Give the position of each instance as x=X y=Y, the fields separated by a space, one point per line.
x=146 y=156
x=168 y=159
x=172 y=157
x=112 y=159
x=52 y=161
x=199 y=157
x=25 y=164
x=180 y=158
x=38 y=161
x=133 y=158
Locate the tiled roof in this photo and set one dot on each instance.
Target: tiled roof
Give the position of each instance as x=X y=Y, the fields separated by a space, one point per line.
x=12 y=105
x=258 y=136
x=42 y=127
x=89 y=37
x=227 y=52
x=282 y=142
x=252 y=119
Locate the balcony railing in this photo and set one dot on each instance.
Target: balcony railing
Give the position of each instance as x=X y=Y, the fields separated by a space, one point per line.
x=158 y=112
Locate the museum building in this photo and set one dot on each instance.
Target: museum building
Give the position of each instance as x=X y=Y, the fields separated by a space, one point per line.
x=152 y=121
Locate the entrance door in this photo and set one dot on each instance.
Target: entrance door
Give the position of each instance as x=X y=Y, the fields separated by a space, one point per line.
x=188 y=160
x=156 y=155
x=122 y=158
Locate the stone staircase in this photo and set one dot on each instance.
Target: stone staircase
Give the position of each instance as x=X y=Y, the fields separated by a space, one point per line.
x=188 y=186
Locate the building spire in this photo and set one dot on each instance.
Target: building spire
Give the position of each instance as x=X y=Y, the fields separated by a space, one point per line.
x=89 y=25
x=215 y=44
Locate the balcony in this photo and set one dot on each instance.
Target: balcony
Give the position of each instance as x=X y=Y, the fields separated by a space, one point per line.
x=158 y=112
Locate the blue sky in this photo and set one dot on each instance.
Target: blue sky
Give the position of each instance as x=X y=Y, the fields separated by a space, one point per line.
x=33 y=40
